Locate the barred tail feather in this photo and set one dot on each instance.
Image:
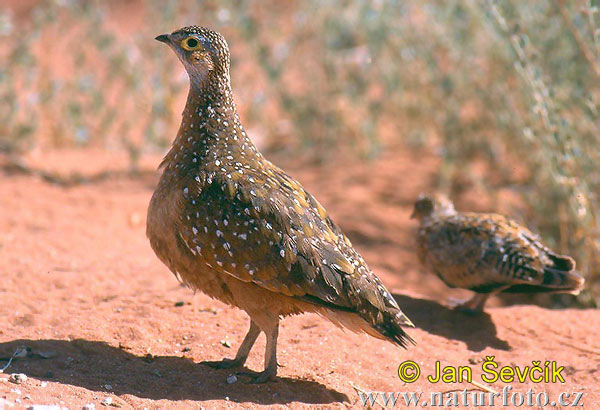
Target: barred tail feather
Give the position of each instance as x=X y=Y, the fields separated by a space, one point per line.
x=553 y=281
x=561 y=281
x=562 y=262
x=389 y=327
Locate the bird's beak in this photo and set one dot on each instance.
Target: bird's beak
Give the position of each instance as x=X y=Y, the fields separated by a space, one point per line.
x=163 y=38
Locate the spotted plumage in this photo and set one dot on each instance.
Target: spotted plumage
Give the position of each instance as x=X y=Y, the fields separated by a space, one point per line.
x=488 y=253
x=231 y=224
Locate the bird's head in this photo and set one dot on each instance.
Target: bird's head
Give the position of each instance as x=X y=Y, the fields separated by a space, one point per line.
x=203 y=52
x=428 y=205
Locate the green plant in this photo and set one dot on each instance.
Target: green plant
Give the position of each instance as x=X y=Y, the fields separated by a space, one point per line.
x=512 y=85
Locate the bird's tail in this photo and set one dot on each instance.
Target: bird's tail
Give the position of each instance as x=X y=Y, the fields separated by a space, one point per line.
x=562 y=282
x=560 y=276
x=386 y=325
x=392 y=325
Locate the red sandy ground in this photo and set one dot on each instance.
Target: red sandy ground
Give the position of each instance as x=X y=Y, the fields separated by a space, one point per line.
x=81 y=284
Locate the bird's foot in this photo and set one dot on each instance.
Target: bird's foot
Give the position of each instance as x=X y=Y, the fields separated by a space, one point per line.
x=257 y=377
x=224 y=364
x=470 y=306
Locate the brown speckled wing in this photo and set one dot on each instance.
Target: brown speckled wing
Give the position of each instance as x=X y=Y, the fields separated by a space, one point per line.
x=261 y=226
x=482 y=251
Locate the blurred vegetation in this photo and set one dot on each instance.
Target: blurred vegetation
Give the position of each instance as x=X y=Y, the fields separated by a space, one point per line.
x=511 y=85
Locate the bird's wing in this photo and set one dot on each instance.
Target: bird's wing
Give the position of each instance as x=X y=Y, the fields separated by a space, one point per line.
x=483 y=251
x=264 y=227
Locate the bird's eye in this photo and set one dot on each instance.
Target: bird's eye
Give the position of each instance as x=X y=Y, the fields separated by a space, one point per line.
x=191 y=44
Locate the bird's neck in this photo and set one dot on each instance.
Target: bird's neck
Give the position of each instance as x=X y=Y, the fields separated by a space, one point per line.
x=214 y=91
x=210 y=128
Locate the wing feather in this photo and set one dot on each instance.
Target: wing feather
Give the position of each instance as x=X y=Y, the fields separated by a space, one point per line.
x=478 y=251
x=261 y=226
x=273 y=233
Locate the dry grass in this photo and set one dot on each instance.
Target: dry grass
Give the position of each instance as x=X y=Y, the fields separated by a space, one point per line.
x=506 y=91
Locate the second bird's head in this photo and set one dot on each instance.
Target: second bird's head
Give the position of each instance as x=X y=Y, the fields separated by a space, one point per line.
x=203 y=52
x=430 y=205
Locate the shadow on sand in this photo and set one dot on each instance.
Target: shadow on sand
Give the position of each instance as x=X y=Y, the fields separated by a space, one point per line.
x=93 y=365
x=476 y=330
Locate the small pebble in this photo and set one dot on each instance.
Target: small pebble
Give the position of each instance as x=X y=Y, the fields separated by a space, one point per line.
x=108 y=386
x=180 y=303
x=232 y=379
x=475 y=360
x=226 y=343
x=43 y=384
x=186 y=349
x=16 y=391
x=107 y=401
x=44 y=407
x=90 y=406
x=17 y=378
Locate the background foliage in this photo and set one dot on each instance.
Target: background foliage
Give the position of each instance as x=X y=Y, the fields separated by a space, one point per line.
x=506 y=91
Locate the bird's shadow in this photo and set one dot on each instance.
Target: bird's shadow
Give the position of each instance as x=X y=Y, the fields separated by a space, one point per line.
x=476 y=330
x=94 y=365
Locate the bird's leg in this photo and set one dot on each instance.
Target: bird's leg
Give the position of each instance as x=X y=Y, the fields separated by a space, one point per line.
x=476 y=303
x=242 y=353
x=473 y=305
x=270 y=370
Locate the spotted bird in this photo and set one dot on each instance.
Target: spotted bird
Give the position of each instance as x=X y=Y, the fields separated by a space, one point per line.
x=488 y=253
x=229 y=223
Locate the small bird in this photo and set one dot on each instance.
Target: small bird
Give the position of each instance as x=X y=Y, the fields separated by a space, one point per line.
x=488 y=254
x=229 y=223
